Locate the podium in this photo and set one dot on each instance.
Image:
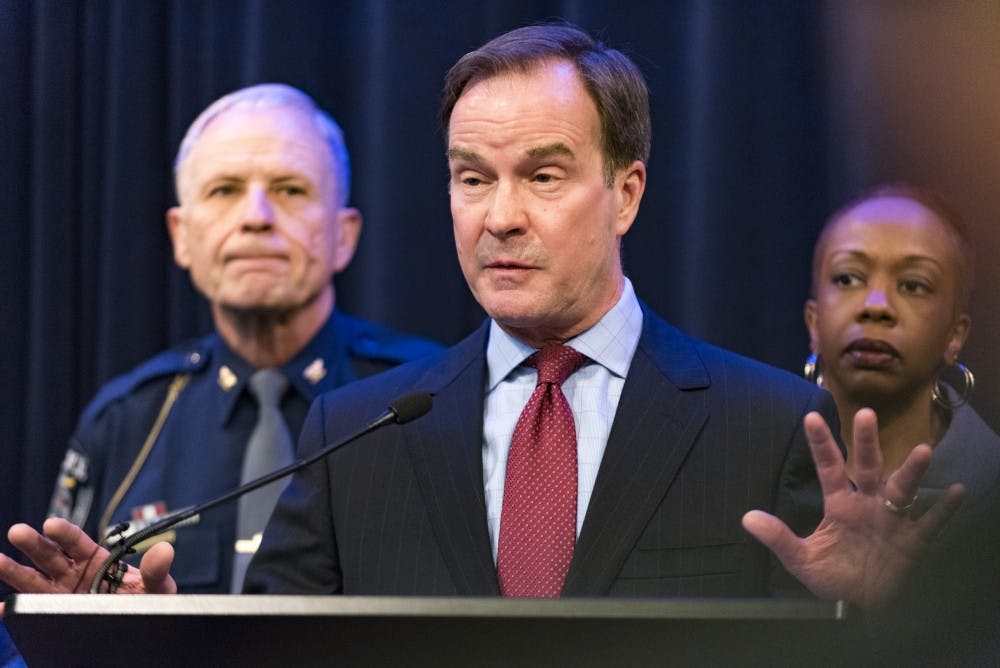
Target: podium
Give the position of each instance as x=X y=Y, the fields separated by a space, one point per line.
x=217 y=630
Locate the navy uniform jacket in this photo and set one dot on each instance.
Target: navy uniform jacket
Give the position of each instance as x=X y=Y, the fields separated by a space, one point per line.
x=700 y=437
x=171 y=433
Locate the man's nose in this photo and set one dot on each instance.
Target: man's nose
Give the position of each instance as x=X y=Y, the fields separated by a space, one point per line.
x=506 y=215
x=258 y=214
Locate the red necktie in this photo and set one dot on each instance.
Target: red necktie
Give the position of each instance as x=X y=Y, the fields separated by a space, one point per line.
x=538 y=518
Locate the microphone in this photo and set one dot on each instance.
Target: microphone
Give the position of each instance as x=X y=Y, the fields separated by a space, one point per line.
x=402 y=410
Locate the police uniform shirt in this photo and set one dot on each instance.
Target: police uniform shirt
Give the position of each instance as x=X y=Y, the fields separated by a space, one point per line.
x=172 y=432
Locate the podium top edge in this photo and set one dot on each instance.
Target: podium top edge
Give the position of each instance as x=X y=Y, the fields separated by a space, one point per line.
x=792 y=609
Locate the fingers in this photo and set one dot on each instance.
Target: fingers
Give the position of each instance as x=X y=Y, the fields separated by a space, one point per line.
x=774 y=534
x=902 y=485
x=64 y=557
x=826 y=455
x=67 y=559
x=56 y=552
x=24 y=579
x=85 y=555
x=934 y=520
x=155 y=569
x=46 y=554
x=866 y=455
x=70 y=538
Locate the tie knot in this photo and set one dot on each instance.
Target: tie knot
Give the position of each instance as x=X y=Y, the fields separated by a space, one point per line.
x=556 y=363
x=268 y=386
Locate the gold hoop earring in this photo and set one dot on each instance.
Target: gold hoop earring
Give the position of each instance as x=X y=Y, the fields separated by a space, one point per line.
x=811 y=370
x=940 y=396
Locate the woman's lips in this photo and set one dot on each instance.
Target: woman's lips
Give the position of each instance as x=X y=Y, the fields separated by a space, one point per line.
x=871 y=354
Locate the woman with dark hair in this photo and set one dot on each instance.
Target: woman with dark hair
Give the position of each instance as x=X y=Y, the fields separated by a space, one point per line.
x=888 y=316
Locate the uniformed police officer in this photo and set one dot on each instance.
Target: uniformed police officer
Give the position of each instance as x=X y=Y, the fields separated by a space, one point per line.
x=262 y=225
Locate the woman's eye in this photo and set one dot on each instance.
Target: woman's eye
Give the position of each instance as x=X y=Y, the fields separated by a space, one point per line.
x=846 y=280
x=914 y=287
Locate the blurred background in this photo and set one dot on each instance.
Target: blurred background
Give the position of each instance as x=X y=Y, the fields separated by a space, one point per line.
x=766 y=116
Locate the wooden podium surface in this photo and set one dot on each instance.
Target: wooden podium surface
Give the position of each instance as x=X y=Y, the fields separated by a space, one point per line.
x=203 y=630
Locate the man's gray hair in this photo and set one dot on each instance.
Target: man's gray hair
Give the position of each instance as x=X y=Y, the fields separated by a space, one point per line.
x=267 y=96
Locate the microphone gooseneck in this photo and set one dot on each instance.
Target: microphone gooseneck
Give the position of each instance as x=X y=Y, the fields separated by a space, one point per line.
x=402 y=410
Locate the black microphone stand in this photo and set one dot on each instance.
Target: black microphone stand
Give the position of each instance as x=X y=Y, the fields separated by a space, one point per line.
x=403 y=410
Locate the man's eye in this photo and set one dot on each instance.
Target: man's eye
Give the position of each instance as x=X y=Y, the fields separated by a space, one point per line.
x=223 y=191
x=472 y=181
x=294 y=191
x=544 y=178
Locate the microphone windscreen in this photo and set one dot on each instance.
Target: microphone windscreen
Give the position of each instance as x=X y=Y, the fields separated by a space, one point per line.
x=411 y=406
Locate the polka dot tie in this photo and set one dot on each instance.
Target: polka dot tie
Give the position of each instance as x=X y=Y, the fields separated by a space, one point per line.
x=538 y=518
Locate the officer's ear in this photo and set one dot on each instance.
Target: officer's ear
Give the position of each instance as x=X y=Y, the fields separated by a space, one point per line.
x=349 y=222
x=179 y=236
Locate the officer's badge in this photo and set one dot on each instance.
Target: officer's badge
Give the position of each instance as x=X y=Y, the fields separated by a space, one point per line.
x=227 y=379
x=316 y=371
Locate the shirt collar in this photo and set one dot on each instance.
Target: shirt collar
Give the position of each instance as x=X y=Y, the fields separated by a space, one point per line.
x=309 y=373
x=611 y=342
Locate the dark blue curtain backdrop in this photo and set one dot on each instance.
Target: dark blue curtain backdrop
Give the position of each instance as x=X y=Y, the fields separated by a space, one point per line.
x=95 y=96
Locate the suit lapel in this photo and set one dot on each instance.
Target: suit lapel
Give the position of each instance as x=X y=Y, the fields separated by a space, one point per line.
x=446 y=450
x=660 y=413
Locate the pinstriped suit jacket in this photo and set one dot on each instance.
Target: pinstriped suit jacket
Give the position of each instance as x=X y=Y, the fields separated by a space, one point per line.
x=701 y=436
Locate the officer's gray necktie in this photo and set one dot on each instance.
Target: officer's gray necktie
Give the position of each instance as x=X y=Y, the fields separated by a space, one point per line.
x=269 y=448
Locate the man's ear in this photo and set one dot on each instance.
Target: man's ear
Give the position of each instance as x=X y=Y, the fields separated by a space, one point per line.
x=179 y=237
x=630 y=183
x=349 y=219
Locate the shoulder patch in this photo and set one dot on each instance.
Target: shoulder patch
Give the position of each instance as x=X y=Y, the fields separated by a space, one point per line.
x=189 y=357
x=73 y=494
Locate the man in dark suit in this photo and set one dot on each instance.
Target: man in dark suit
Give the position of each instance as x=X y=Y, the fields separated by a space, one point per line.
x=547 y=141
x=578 y=444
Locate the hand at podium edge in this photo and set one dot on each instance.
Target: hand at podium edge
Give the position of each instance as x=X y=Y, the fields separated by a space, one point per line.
x=866 y=542
x=66 y=560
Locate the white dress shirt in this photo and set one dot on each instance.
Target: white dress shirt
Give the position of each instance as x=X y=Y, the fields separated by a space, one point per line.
x=592 y=392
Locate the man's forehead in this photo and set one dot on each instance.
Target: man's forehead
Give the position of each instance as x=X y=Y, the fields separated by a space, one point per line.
x=542 y=113
x=239 y=123
x=253 y=137
x=276 y=144
x=541 y=151
x=542 y=69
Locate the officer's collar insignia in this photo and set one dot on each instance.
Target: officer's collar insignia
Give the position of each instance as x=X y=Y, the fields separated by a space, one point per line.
x=227 y=379
x=316 y=371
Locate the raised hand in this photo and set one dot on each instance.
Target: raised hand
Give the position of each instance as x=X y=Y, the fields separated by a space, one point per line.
x=867 y=540
x=66 y=560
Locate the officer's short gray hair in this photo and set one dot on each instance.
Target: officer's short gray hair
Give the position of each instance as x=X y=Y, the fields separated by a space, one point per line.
x=267 y=96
